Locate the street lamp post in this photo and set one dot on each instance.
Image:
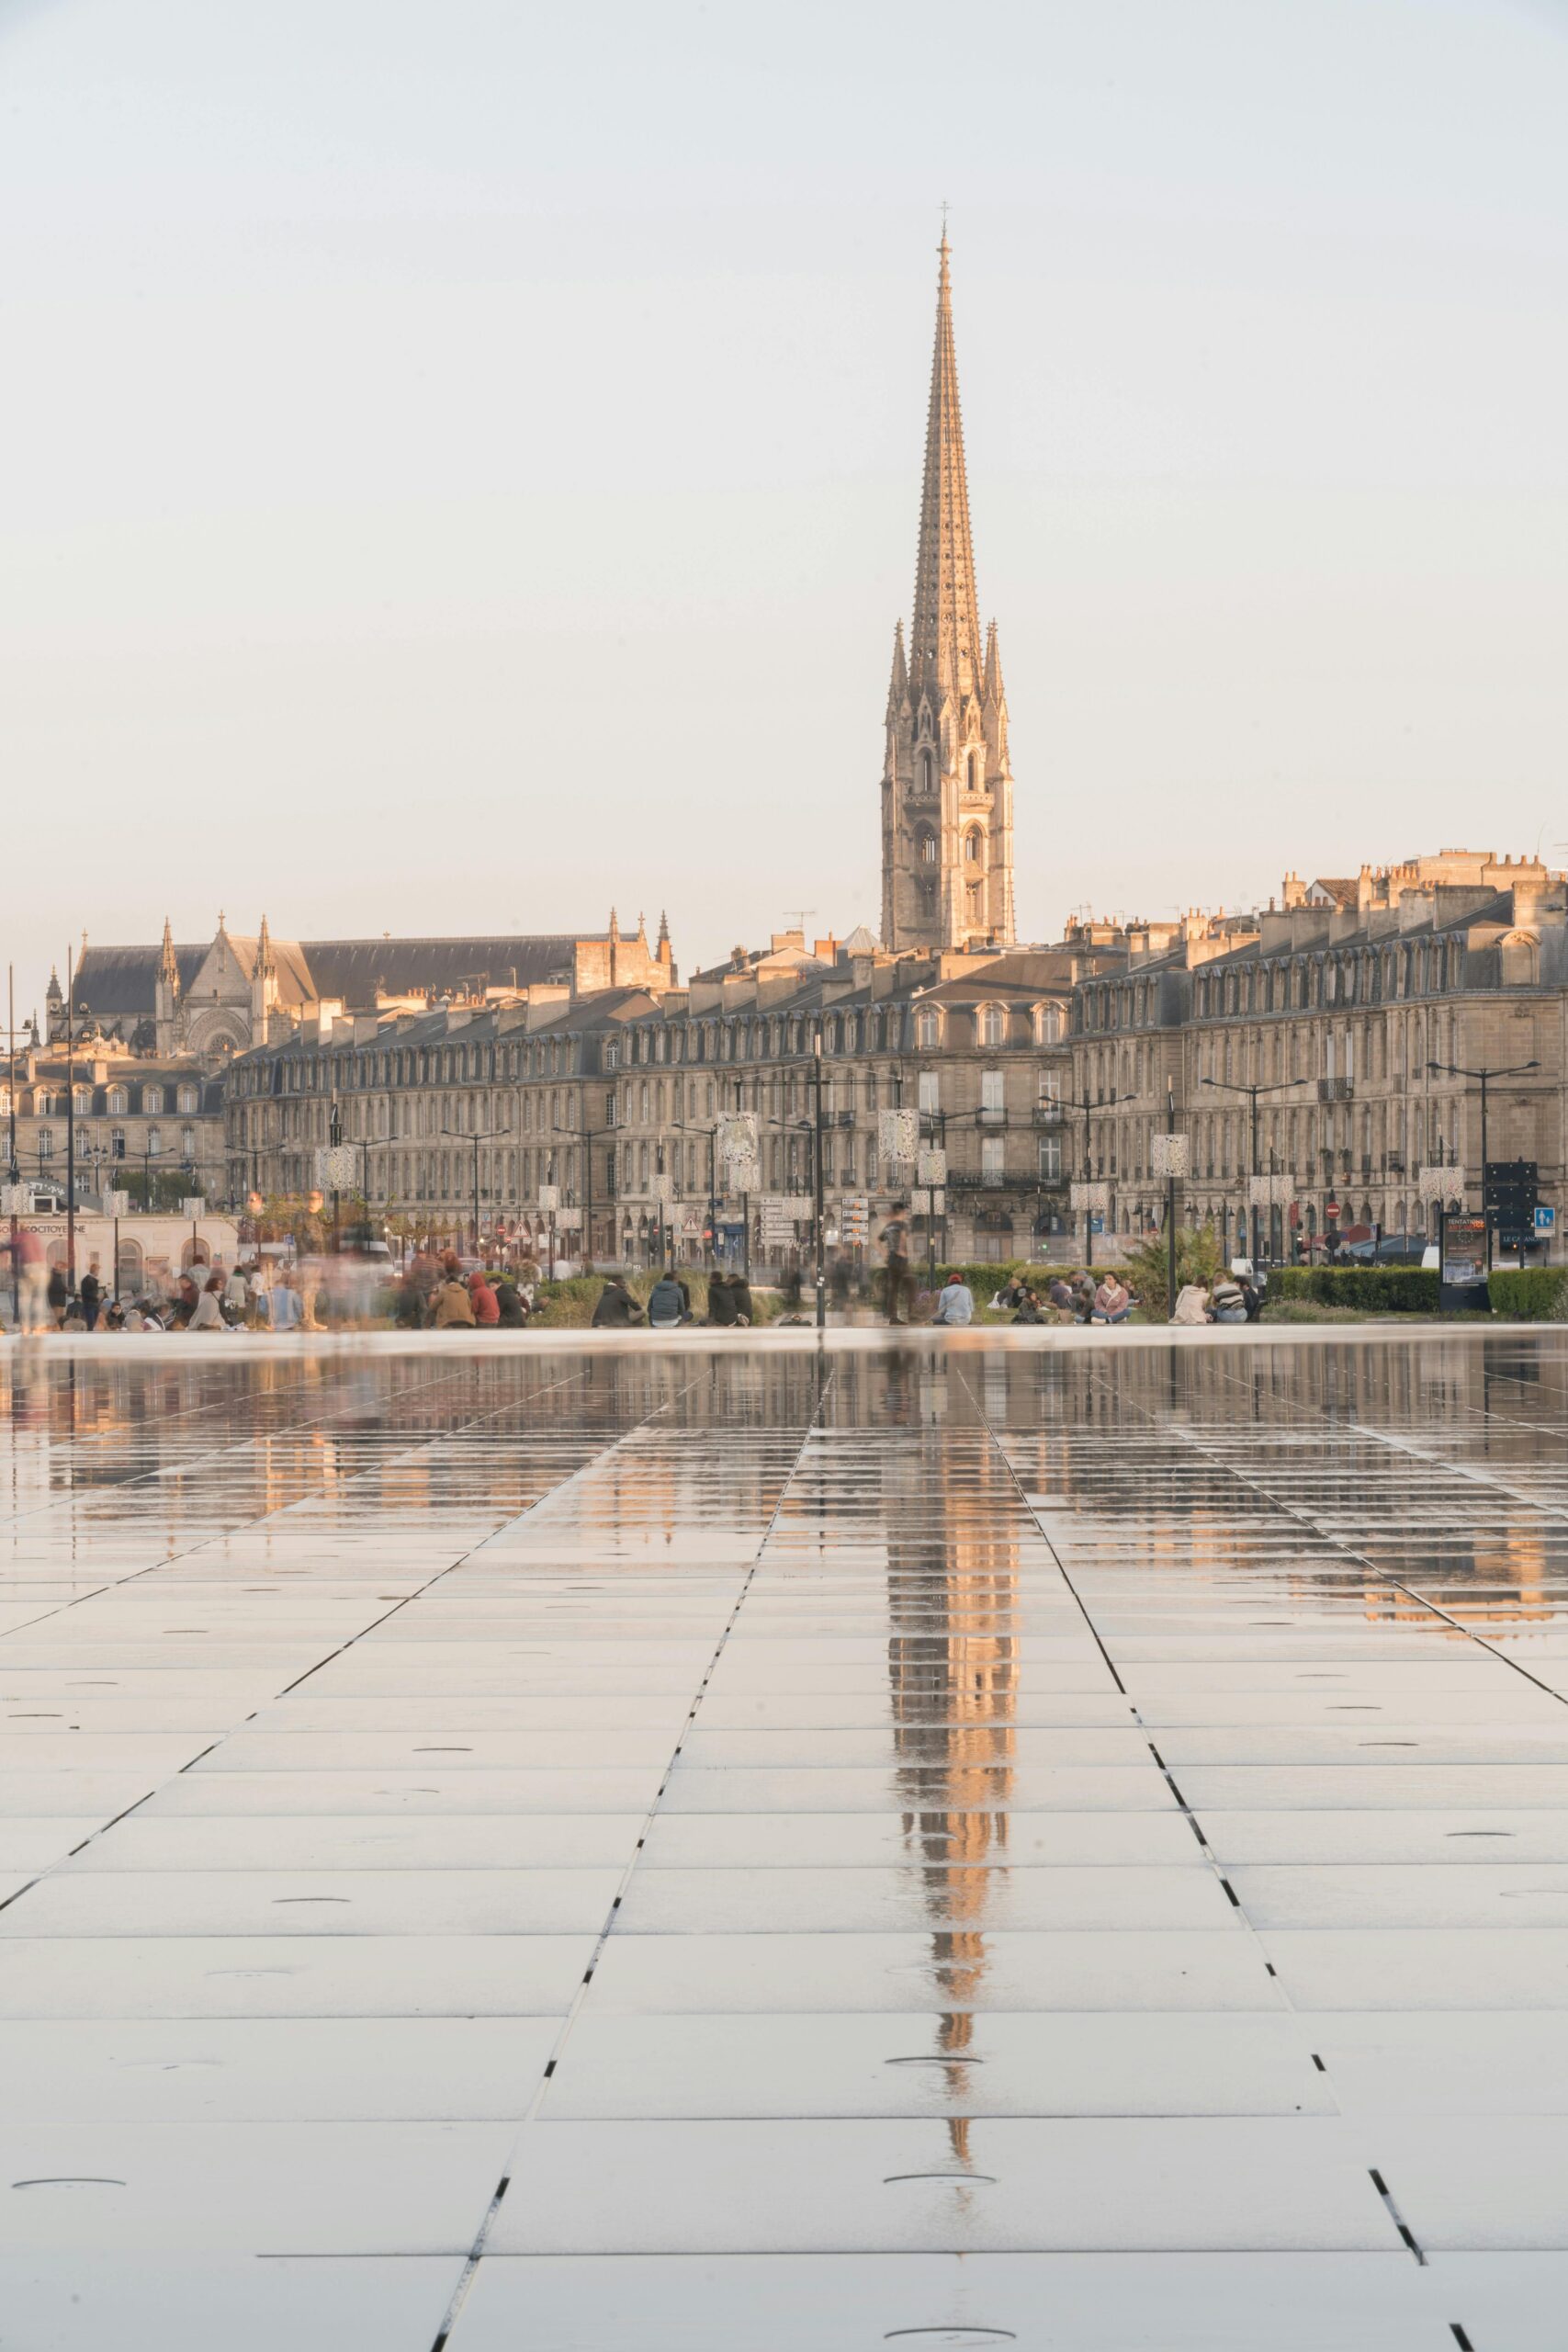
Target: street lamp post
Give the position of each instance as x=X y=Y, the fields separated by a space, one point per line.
x=458 y=1136
x=686 y=1128
x=1171 y=1202
x=1452 y=1069
x=1279 y=1086
x=816 y=1186
x=587 y=1138
x=13 y=1172
x=334 y=1138
x=70 y=1124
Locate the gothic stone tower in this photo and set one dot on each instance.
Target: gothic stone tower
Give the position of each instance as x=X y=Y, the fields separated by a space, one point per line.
x=946 y=782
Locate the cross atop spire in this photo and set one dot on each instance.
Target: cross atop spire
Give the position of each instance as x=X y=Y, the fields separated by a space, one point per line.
x=945 y=640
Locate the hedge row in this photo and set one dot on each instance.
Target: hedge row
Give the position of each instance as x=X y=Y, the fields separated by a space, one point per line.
x=1531 y=1295
x=1376 y=1289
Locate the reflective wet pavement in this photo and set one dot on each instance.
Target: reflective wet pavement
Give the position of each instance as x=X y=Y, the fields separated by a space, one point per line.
x=596 y=1850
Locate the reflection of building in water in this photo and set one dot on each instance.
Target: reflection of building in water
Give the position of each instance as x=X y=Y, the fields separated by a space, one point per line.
x=953 y=1675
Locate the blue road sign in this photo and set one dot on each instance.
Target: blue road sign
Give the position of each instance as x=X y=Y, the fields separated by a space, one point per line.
x=1545 y=1218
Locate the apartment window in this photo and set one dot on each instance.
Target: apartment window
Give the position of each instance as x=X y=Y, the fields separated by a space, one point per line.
x=929 y=1091
x=117 y=1142
x=992 y=1097
x=927 y=1028
x=992 y=1150
x=46 y=1143
x=152 y=1100
x=1050 y=1158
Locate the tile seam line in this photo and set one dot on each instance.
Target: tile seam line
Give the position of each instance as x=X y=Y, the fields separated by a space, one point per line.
x=402 y=1602
x=17 y=1520
x=1098 y=1377
x=1186 y=1433
x=257 y=1519
x=475 y=2252
x=1350 y=1552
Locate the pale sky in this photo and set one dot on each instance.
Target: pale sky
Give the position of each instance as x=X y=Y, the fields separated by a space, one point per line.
x=463 y=461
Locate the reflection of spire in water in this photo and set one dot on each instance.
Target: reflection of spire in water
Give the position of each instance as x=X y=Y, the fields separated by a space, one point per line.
x=952 y=1673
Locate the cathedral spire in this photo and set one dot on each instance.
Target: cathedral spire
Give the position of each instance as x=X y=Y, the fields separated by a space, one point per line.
x=946 y=776
x=945 y=639
x=168 y=964
x=263 y=965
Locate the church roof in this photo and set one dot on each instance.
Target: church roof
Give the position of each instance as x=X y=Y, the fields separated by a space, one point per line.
x=353 y=970
x=120 y=981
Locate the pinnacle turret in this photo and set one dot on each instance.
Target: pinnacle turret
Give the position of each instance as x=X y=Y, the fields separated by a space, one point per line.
x=168 y=963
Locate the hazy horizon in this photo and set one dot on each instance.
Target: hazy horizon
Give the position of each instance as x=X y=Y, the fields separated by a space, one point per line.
x=466 y=469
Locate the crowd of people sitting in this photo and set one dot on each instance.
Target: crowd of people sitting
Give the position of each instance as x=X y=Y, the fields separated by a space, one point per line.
x=669 y=1303
x=435 y=1291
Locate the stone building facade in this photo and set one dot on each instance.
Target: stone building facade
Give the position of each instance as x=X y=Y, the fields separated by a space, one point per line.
x=613 y=1097
x=1030 y=1068
x=151 y=1124
x=1334 y=1003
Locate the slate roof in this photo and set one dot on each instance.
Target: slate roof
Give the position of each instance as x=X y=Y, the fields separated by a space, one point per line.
x=120 y=982
x=117 y=981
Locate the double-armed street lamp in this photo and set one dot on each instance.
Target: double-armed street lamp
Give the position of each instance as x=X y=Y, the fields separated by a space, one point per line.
x=1453 y=1069
x=1276 y=1086
x=459 y=1135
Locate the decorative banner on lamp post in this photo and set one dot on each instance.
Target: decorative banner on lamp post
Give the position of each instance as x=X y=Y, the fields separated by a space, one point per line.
x=930 y=1167
x=1270 y=1191
x=117 y=1203
x=334 y=1166
x=1093 y=1197
x=661 y=1186
x=16 y=1200
x=743 y=1173
x=549 y=1198
x=921 y=1201
x=737 y=1137
x=1439 y=1183
x=898 y=1134
x=1170 y=1155
x=195 y=1206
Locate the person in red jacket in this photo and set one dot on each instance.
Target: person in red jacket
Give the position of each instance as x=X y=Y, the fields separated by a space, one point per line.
x=485 y=1307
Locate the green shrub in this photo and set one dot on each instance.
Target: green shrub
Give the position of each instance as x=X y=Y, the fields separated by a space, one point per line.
x=1532 y=1293
x=1372 y=1290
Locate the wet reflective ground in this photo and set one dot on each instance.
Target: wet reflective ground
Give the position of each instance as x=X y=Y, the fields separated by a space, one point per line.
x=600 y=1851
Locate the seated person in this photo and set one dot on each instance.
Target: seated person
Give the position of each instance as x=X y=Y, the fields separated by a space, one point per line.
x=1191 y=1304
x=1227 y=1304
x=614 y=1307
x=1112 y=1302
x=667 y=1305
x=954 y=1302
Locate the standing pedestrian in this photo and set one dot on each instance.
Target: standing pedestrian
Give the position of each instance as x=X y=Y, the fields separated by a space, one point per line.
x=894 y=1241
